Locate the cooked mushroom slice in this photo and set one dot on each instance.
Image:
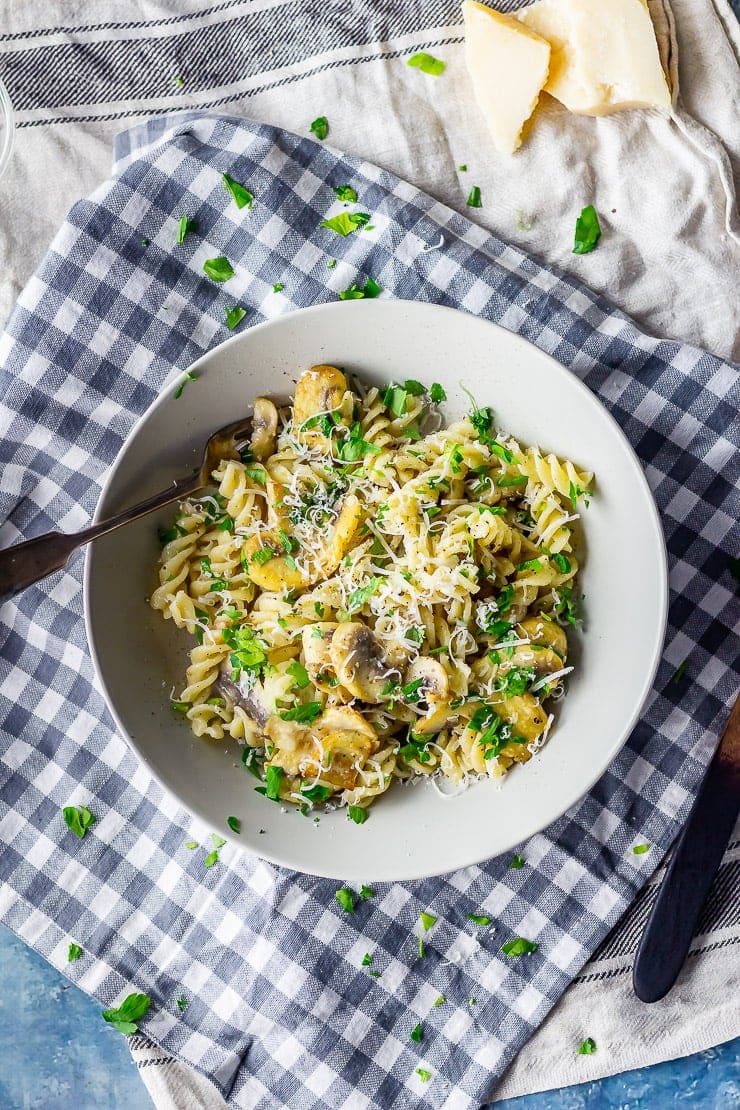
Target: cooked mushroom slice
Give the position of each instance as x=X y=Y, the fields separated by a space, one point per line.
x=270 y=570
x=333 y=748
x=264 y=428
x=547 y=633
x=317 y=654
x=359 y=662
x=253 y=701
x=527 y=719
x=434 y=692
x=541 y=660
x=348 y=522
x=320 y=390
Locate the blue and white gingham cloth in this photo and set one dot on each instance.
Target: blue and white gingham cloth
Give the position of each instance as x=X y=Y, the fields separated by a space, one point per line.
x=281 y=1013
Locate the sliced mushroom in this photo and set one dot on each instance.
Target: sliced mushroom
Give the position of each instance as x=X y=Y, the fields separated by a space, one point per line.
x=274 y=574
x=334 y=747
x=320 y=390
x=541 y=660
x=264 y=428
x=253 y=701
x=317 y=654
x=347 y=524
x=279 y=572
x=359 y=662
x=345 y=719
x=546 y=633
x=434 y=692
x=526 y=717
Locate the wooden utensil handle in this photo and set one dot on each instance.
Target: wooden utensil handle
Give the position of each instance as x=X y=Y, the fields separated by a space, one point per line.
x=696 y=857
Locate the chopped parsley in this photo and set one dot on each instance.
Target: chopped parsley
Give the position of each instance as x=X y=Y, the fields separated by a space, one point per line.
x=180 y=707
x=507 y=480
x=562 y=562
x=346 y=222
x=257 y=473
x=416 y=635
x=124 y=1018
x=427 y=920
x=355 y=293
x=299 y=674
x=184 y=227
x=234 y=824
x=519 y=947
x=187 y=377
x=480 y=919
x=680 y=671
x=517 y=862
x=331 y=263
x=179 y=83
x=192 y=844
x=234 y=316
x=316 y=793
x=263 y=555
x=437 y=393
x=346 y=193
x=358 y=814
x=74 y=952
x=501 y=452
x=530 y=564
x=353 y=447
x=304 y=714
x=427 y=63
x=588 y=231
x=247 y=652
x=462 y=168
x=640 y=849
x=346 y=899
x=421 y=948
x=273 y=779
x=240 y=194
x=182 y=1003
x=320 y=127
x=362 y=595
x=424 y=1075
x=574 y=492
x=78 y=819
x=218 y=269
x=417 y=1033
x=367 y=960
x=278 y=287
x=474 y=198
x=211 y=859
x=515 y=681
x=440 y=1000
x=587 y=1047
x=366 y=892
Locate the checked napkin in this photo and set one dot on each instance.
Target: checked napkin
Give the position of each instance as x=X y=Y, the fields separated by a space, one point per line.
x=280 y=1011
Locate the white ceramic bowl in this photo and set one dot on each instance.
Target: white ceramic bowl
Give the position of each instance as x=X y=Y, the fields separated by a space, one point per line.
x=411 y=831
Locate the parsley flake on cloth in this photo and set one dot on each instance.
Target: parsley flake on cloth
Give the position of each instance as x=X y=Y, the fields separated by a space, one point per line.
x=427 y=63
x=78 y=819
x=240 y=193
x=588 y=231
x=320 y=127
x=519 y=947
x=124 y=1018
x=218 y=269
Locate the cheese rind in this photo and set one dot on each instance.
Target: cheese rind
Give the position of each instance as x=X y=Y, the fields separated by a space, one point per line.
x=604 y=55
x=508 y=65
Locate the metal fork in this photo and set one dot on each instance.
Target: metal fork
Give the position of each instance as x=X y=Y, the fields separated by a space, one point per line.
x=27 y=563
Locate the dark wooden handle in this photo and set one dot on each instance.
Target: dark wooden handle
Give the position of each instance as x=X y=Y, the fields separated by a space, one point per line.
x=696 y=857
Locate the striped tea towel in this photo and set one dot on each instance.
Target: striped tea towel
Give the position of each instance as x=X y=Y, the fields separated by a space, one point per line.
x=279 y=1009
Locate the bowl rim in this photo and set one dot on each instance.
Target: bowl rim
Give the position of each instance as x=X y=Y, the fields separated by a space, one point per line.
x=412 y=873
x=6 y=111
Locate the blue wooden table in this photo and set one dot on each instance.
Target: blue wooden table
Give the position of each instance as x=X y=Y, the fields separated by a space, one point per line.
x=56 y=1052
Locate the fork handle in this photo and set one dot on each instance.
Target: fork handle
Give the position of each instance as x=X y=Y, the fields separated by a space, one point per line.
x=26 y=563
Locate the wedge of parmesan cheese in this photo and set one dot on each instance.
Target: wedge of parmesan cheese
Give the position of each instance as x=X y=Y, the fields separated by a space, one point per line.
x=604 y=54
x=508 y=65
